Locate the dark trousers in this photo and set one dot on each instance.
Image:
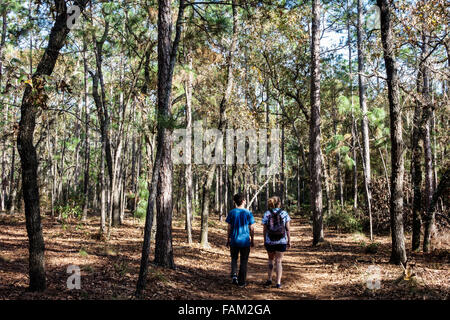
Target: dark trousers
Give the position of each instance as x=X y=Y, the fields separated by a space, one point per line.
x=244 y=253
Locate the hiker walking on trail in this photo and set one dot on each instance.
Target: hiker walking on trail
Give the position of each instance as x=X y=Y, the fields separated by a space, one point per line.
x=240 y=238
x=277 y=237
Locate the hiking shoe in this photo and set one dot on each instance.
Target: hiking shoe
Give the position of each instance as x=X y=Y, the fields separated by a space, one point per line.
x=268 y=283
x=234 y=280
x=278 y=286
x=242 y=285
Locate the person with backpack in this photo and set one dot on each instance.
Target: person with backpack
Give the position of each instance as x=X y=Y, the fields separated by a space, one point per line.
x=240 y=238
x=277 y=237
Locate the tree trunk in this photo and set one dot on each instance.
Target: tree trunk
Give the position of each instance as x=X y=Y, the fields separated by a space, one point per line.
x=299 y=189
x=167 y=52
x=314 y=133
x=32 y=100
x=416 y=178
x=104 y=121
x=398 y=254
x=429 y=219
x=3 y=39
x=103 y=191
x=220 y=177
x=282 y=177
x=3 y=202
x=353 y=131
x=188 y=173
x=12 y=187
x=416 y=152
x=86 y=137
x=364 y=120
x=222 y=123
x=226 y=187
x=326 y=178
x=143 y=271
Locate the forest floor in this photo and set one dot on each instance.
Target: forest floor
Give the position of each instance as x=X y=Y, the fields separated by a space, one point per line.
x=336 y=269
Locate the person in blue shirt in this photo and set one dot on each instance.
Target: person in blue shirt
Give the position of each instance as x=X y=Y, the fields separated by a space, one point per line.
x=240 y=238
x=277 y=237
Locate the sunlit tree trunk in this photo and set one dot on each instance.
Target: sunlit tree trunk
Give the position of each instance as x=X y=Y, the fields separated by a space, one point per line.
x=364 y=120
x=314 y=133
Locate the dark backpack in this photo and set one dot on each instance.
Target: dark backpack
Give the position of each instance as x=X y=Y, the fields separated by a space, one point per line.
x=276 y=229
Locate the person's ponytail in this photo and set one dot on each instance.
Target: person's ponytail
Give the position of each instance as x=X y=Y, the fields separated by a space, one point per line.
x=274 y=202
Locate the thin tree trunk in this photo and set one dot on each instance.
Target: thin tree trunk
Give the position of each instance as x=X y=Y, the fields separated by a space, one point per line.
x=3 y=174
x=314 y=133
x=188 y=172
x=364 y=120
x=222 y=123
x=138 y=175
x=216 y=193
x=225 y=192
x=86 y=137
x=299 y=188
x=327 y=184
x=3 y=39
x=354 y=132
x=104 y=122
x=428 y=153
x=282 y=178
x=416 y=167
x=220 y=176
x=12 y=188
x=429 y=219
x=267 y=145
x=103 y=192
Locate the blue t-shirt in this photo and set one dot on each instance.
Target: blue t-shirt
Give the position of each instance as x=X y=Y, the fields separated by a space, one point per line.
x=265 y=221
x=240 y=219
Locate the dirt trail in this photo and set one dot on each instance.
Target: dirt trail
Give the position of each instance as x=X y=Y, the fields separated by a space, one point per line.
x=337 y=269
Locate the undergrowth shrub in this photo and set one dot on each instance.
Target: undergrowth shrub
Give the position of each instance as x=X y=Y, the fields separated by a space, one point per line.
x=69 y=211
x=141 y=208
x=343 y=220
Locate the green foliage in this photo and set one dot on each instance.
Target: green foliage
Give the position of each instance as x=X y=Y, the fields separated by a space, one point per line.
x=69 y=211
x=344 y=149
x=83 y=252
x=121 y=268
x=141 y=209
x=372 y=247
x=334 y=143
x=305 y=208
x=157 y=275
x=212 y=224
x=343 y=220
x=346 y=105
x=349 y=162
x=168 y=122
x=293 y=209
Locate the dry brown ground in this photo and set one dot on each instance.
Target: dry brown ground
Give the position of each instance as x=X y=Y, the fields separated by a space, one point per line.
x=337 y=269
